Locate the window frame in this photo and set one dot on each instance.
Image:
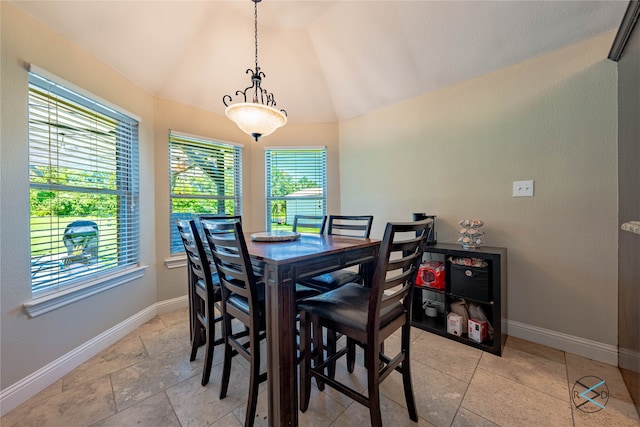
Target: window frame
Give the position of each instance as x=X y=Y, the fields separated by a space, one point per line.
x=215 y=147
x=317 y=170
x=52 y=103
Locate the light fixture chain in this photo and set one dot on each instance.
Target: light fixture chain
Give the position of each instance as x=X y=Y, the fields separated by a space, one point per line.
x=255 y=29
x=258 y=117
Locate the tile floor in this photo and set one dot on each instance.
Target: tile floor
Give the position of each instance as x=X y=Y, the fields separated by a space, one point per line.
x=146 y=379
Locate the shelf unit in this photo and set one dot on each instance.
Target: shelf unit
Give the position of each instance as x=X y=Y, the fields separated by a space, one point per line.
x=495 y=308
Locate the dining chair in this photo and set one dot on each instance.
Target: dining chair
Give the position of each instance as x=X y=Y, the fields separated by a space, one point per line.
x=220 y=218
x=348 y=226
x=243 y=298
x=368 y=315
x=309 y=223
x=204 y=294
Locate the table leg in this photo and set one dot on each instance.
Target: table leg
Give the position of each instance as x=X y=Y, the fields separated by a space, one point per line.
x=281 y=346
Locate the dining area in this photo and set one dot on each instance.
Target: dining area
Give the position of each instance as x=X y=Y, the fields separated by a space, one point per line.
x=265 y=280
x=116 y=346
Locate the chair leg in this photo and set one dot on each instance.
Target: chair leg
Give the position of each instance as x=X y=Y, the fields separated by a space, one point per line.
x=406 y=374
x=228 y=355
x=305 y=366
x=373 y=386
x=318 y=347
x=254 y=378
x=210 y=333
x=196 y=332
x=331 y=350
x=351 y=355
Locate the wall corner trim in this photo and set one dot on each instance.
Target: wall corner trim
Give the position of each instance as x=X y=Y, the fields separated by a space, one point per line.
x=624 y=31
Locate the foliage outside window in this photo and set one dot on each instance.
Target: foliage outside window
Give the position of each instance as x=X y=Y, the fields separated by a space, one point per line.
x=83 y=187
x=205 y=179
x=295 y=184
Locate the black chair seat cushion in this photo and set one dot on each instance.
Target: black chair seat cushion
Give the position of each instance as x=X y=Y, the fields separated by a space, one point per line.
x=242 y=304
x=217 y=291
x=333 y=280
x=348 y=305
x=217 y=294
x=303 y=291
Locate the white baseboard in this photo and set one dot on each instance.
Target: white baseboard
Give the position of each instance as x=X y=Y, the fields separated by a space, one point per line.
x=173 y=304
x=31 y=385
x=605 y=353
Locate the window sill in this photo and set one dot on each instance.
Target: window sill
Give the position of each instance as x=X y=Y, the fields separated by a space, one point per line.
x=45 y=304
x=176 y=261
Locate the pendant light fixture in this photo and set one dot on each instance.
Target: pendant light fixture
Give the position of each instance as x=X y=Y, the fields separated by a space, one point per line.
x=258 y=117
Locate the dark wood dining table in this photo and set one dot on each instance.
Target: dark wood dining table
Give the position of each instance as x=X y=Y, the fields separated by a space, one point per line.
x=284 y=263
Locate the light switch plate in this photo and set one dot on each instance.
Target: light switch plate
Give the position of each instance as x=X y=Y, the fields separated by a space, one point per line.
x=523 y=188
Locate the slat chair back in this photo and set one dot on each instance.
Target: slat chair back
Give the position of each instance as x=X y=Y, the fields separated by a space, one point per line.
x=350 y=225
x=231 y=257
x=204 y=292
x=368 y=315
x=309 y=223
x=242 y=299
x=394 y=277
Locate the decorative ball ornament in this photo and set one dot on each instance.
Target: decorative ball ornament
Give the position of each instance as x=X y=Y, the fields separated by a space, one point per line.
x=470 y=233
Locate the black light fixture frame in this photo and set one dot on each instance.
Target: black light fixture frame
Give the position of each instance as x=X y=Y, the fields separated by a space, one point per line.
x=260 y=95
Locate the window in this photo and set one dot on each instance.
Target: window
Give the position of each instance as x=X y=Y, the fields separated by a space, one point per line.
x=296 y=184
x=206 y=178
x=83 y=185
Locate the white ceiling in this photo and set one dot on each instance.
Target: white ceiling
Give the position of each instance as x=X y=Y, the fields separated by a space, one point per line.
x=324 y=61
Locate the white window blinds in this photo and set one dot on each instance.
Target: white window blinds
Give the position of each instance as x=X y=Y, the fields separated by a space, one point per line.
x=295 y=184
x=83 y=175
x=206 y=179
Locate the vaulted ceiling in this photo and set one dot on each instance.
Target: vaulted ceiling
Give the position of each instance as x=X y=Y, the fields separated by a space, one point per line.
x=324 y=61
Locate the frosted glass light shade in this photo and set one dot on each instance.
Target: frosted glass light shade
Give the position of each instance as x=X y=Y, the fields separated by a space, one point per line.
x=256 y=119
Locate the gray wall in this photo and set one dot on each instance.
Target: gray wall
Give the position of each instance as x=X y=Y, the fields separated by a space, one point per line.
x=455 y=152
x=27 y=344
x=629 y=210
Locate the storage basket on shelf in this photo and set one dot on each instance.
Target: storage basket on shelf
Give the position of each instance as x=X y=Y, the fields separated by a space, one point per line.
x=470 y=278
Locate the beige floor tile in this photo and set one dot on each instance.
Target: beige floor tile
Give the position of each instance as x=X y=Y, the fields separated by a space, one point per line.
x=228 y=420
x=437 y=394
x=196 y=405
x=138 y=382
x=322 y=411
x=540 y=373
x=146 y=379
x=578 y=367
x=154 y=411
x=509 y=403
x=152 y=325
x=615 y=413
x=535 y=349
x=466 y=418
x=126 y=352
x=454 y=358
x=175 y=317
x=48 y=392
x=261 y=418
x=167 y=339
x=392 y=415
x=79 y=406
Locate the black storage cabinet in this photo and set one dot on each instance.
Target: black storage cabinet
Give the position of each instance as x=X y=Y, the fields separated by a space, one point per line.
x=485 y=286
